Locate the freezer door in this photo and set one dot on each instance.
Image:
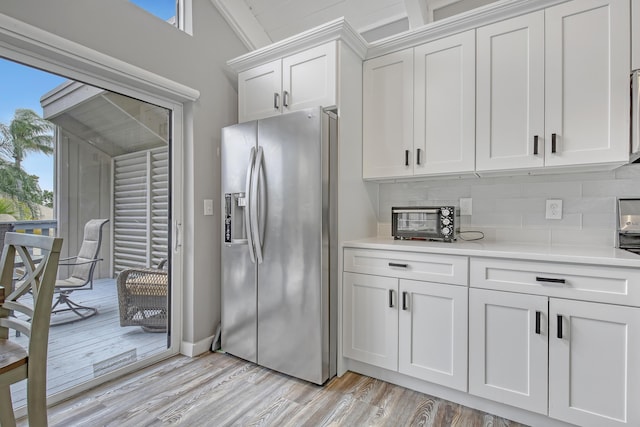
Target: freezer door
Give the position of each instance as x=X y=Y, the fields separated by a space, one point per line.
x=292 y=289
x=239 y=273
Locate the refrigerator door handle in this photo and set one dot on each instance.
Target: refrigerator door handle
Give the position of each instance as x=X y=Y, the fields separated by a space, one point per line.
x=255 y=228
x=247 y=208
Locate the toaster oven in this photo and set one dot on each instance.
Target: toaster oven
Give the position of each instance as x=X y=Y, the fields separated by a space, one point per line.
x=425 y=223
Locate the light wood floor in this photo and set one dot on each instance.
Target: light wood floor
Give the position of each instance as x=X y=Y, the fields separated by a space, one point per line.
x=221 y=390
x=83 y=350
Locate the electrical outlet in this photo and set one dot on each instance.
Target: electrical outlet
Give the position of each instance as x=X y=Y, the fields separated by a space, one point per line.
x=554 y=209
x=466 y=206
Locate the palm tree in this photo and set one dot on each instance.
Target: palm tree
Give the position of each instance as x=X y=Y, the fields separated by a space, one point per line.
x=27 y=133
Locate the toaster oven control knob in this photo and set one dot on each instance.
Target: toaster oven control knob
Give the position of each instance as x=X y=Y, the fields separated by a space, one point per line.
x=445 y=212
x=446 y=231
x=446 y=221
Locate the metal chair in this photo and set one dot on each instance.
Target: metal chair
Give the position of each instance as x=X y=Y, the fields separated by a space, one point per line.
x=16 y=362
x=81 y=277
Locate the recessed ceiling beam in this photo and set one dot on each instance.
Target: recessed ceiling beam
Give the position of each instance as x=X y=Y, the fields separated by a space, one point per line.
x=243 y=22
x=417 y=12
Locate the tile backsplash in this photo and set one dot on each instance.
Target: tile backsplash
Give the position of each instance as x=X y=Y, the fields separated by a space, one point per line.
x=513 y=208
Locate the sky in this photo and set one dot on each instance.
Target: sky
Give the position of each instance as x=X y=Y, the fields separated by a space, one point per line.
x=22 y=87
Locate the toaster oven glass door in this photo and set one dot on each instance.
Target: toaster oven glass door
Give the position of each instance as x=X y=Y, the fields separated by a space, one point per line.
x=424 y=221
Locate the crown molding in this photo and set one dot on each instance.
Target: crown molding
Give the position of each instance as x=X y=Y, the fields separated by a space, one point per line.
x=469 y=20
x=35 y=47
x=338 y=29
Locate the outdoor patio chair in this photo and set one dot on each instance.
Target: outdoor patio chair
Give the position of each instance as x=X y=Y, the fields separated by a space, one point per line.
x=16 y=362
x=81 y=277
x=142 y=297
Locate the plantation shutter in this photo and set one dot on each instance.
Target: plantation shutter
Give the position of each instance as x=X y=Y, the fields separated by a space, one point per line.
x=140 y=216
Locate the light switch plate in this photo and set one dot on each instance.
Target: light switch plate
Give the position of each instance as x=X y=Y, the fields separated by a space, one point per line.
x=208 y=207
x=554 y=209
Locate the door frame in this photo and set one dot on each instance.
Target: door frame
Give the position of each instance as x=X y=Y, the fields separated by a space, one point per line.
x=34 y=47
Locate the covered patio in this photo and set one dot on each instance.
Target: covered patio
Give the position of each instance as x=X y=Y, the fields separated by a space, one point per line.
x=83 y=350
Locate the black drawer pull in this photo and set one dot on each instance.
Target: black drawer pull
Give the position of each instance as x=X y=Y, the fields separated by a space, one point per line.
x=535 y=145
x=395 y=264
x=560 y=326
x=390 y=298
x=553 y=143
x=550 y=280
x=404 y=300
x=406 y=157
x=538 y=322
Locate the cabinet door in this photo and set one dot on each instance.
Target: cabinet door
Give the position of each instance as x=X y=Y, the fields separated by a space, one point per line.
x=433 y=333
x=259 y=92
x=507 y=352
x=309 y=78
x=510 y=79
x=444 y=105
x=593 y=368
x=587 y=82
x=370 y=319
x=388 y=116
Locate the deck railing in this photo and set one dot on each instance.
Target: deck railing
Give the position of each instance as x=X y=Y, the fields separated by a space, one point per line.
x=44 y=227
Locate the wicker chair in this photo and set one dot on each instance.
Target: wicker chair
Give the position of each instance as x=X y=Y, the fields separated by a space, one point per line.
x=143 y=297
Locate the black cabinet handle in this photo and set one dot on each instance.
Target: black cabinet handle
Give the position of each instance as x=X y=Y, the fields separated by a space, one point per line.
x=535 y=145
x=553 y=142
x=560 y=326
x=538 y=322
x=395 y=264
x=285 y=99
x=418 y=151
x=550 y=280
x=406 y=157
x=404 y=301
x=276 y=101
x=390 y=298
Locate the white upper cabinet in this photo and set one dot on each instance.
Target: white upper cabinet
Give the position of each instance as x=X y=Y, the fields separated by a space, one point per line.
x=306 y=79
x=309 y=78
x=444 y=105
x=388 y=115
x=553 y=87
x=587 y=66
x=510 y=73
x=259 y=91
x=635 y=35
x=419 y=110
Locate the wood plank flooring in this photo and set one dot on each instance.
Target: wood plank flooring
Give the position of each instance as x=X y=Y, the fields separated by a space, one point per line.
x=221 y=390
x=82 y=350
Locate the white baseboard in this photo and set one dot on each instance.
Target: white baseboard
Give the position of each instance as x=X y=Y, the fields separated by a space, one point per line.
x=195 y=349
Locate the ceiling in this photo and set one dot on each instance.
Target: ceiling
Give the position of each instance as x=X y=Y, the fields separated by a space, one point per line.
x=112 y=123
x=262 y=22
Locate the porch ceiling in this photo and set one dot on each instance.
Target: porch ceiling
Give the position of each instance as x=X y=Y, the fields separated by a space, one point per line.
x=113 y=123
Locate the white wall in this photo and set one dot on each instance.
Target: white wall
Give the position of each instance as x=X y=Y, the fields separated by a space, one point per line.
x=513 y=208
x=119 y=29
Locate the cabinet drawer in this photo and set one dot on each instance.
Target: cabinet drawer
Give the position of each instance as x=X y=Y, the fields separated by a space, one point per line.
x=615 y=285
x=450 y=269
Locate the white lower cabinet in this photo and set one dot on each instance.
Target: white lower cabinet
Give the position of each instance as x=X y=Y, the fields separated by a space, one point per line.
x=413 y=327
x=594 y=355
x=588 y=351
x=507 y=352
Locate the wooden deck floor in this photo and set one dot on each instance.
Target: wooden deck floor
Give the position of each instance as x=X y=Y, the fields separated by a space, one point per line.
x=83 y=350
x=221 y=390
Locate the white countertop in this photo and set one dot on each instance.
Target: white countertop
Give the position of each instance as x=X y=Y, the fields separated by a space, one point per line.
x=554 y=253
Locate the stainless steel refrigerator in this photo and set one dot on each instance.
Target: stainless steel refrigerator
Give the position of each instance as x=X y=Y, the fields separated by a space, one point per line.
x=279 y=245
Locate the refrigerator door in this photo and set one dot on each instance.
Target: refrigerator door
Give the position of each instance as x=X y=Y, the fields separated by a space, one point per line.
x=239 y=271
x=292 y=289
